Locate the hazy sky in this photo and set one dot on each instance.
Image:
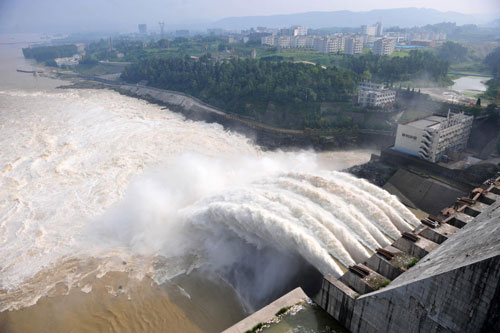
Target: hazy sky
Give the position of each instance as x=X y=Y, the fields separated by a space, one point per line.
x=88 y=14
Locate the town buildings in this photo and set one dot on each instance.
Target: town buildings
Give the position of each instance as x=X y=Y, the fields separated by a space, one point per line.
x=373 y=30
x=375 y=95
x=369 y=30
x=143 y=28
x=329 y=44
x=433 y=137
x=353 y=44
x=384 y=46
x=372 y=36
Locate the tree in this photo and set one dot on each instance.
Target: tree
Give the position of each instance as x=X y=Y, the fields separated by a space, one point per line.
x=88 y=60
x=498 y=144
x=492 y=112
x=295 y=90
x=492 y=60
x=46 y=53
x=452 y=52
x=51 y=63
x=475 y=110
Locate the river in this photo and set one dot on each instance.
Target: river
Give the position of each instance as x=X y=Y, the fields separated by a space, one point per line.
x=472 y=84
x=117 y=215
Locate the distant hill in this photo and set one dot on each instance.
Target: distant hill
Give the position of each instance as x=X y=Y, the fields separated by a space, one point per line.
x=403 y=17
x=495 y=23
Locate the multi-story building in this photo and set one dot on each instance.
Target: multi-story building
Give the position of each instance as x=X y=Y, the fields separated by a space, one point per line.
x=298 y=42
x=267 y=40
x=143 y=28
x=299 y=30
x=286 y=32
x=353 y=44
x=310 y=41
x=295 y=30
x=282 y=41
x=331 y=44
x=375 y=95
x=433 y=137
x=369 y=30
x=379 y=29
x=384 y=46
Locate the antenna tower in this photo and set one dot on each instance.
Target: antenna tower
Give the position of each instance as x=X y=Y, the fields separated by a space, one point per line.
x=162 y=25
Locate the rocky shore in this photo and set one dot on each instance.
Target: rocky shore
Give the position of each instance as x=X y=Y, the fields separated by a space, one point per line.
x=266 y=136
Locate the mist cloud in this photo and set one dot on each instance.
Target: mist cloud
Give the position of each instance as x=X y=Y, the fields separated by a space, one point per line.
x=124 y=15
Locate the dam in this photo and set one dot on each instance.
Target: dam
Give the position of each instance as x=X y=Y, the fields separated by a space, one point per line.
x=444 y=276
x=453 y=288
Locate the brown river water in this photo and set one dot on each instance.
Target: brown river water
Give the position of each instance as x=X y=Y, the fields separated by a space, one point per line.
x=118 y=216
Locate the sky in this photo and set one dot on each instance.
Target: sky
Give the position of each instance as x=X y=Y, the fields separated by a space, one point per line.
x=88 y=14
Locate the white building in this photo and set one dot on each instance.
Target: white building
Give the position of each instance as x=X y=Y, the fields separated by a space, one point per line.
x=299 y=30
x=298 y=42
x=267 y=40
x=384 y=46
x=375 y=95
x=353 y=45
x=432 y=137
x=331 y=44
x=379 y=29
x=310 y=41
x=143 y=28
x=283 y=42
x=373 y=30
x=369 y=30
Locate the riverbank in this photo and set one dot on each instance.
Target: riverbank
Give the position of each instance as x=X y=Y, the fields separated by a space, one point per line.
x=266 y=136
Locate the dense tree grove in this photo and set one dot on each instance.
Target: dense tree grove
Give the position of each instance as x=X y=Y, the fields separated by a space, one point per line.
x=417 y=65
x=452 y=52
x=493 y=90
x=46 y=53
x=242 y=86
x=492 y=60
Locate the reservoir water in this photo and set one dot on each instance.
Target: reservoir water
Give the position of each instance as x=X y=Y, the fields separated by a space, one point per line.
x=116 y=215
x=472 y=84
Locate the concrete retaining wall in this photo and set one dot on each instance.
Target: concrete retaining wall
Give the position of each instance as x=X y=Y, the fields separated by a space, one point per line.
x=425 y=193
x=268 y=312
x=455 y=288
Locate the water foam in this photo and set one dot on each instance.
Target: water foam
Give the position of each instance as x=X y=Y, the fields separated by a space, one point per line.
x=69 y=195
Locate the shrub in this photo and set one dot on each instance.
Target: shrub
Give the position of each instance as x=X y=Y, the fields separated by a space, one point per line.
x=384 y=284
x=257 y=327
x=282 y=310
x=412 y=263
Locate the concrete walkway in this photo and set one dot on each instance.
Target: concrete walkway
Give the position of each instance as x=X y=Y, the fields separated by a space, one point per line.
x=268 y=312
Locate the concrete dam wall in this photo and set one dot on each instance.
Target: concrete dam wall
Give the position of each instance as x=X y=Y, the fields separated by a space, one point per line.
x=454 y=287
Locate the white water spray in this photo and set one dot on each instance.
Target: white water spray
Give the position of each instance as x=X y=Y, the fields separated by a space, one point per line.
x=208 y=199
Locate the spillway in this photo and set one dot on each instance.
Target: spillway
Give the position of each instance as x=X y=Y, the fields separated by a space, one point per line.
x=93 y=183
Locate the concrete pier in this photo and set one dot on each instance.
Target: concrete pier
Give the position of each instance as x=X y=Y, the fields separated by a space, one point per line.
x=268 y=312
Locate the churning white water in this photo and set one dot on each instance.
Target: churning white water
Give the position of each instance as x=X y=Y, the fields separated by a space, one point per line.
x=92 y=182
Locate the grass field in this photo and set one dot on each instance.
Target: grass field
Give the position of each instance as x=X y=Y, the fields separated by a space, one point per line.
x=400 y=54
x=99 y=69
x=299 y=55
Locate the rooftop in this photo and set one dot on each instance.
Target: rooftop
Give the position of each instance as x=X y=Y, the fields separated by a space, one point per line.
x=426 y=122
